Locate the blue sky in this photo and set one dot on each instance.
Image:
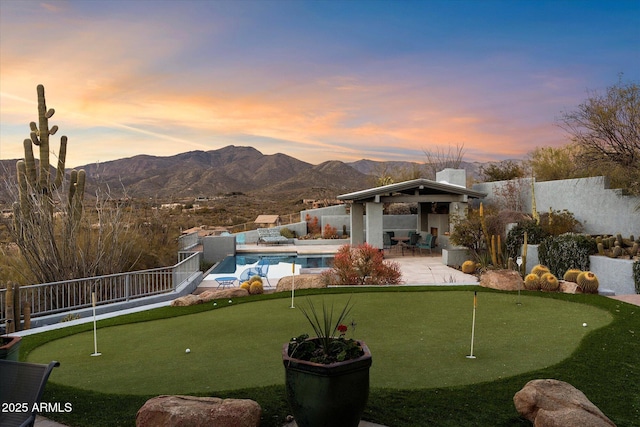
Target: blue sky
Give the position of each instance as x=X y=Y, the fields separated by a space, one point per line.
x=318 y=80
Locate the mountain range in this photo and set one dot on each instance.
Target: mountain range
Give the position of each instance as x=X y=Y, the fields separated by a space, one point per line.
x=229 y=170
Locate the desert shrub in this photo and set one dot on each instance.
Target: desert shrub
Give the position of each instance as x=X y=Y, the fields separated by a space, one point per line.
x=313 y=225
x=515 y=238
x=560 y=253
x=636 y=276
x=467 y=231
x=330 y=232
x=288 y=233
x=560 y=222
x=362 y=265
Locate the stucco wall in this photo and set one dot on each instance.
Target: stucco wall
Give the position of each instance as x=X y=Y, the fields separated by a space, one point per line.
x=600 y=210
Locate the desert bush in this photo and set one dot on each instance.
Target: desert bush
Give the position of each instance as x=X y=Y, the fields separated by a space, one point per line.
x=313 y=226
x=560 y=222
x=560 y=253
x=362 y=265
x=515 y=237
x=330 y=232
x=288 y=233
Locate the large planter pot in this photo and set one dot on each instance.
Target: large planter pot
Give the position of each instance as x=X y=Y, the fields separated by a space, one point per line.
x=332 y=395
x=10 y=348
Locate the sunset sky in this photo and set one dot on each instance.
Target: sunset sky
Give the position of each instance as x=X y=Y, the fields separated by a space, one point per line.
x=317 y=80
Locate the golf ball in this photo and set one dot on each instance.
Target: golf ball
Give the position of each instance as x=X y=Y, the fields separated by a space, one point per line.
x=188 y=350
x=584 y=324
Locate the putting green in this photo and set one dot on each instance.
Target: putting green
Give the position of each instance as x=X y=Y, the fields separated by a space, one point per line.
x=417 y=339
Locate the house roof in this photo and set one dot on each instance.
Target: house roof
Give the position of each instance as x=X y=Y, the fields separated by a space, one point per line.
x=420 y=189
x=267 y=219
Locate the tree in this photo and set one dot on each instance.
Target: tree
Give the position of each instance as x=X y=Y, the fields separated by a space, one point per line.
x=439 y=159
x=551 y=163
x=607 y=129
x=502 y=171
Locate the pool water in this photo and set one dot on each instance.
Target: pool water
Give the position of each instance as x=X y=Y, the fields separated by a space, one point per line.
x=280 y=265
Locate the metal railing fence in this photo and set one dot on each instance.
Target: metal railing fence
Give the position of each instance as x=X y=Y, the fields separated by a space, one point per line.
x=188 y=241
x=57 y=297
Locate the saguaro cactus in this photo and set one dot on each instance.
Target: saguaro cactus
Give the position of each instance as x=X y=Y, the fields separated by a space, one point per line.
x=36 y=182
x=48 y=248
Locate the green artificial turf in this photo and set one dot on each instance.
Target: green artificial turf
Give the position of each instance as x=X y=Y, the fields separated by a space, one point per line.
x=542 y=338
x=418 y=340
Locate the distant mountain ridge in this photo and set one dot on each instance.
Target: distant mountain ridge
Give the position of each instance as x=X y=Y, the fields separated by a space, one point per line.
x=231 y=169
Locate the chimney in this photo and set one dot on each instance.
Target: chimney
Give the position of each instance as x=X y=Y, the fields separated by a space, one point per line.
x=452 y=176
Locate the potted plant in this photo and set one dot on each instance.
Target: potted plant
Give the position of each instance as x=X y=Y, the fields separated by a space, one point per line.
x=327 y=376
x=9 y=347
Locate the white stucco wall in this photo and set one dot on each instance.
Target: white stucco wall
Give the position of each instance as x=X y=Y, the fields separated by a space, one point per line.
x=600 y=210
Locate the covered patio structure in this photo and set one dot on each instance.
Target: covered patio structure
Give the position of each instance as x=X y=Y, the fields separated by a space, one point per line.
x=438 y=202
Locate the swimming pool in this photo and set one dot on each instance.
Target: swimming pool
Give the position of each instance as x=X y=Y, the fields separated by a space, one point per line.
x=280 y=265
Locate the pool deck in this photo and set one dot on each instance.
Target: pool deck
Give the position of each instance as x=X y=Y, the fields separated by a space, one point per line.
x=417 y=268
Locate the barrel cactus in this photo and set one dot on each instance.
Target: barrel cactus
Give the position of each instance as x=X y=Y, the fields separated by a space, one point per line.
x=539 y=270
x=532 y=282
x=549 y=282
x=571 y=275
x=588 y=282
x=246 y=286
x=469 y=267
x=256 y=288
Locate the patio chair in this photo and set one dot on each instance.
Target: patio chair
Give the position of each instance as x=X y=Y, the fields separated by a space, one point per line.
x=22 y=384
x=386 y=241
x=260 y=269
x=427 y=243
x=413 y=240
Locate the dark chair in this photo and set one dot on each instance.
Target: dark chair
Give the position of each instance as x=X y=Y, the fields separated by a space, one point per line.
x=413 y=240
x=427 y=243
x=386 y=241
x=392 y=234
x=22 y=384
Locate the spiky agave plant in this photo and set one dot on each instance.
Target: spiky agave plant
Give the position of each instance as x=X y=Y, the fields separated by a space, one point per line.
x=330 y=344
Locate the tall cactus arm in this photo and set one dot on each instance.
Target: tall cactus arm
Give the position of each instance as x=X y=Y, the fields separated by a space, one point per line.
x=31 y=176
x=23 y=186
x=43 y=134
x=79 y=195
x=62 y=155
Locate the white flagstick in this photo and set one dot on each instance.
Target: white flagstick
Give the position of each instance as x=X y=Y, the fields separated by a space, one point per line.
x=95 y=336
x=473 y=324
x=293 y=281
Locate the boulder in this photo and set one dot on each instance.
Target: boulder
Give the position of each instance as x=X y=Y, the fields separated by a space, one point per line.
x=553 y=403
x=211 y=295
x=569 y=287
x=504 y=280
x=302 y=281
x=186 y=300
x=198 y=412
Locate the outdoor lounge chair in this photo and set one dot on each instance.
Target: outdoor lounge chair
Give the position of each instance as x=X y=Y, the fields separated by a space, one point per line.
x=427 y=243
x=22 y=384
x=270 y=236
x=260 y=269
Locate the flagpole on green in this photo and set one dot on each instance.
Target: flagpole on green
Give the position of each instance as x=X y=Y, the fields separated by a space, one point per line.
x=95 y=334
x=293 y=282
x=473 y=324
